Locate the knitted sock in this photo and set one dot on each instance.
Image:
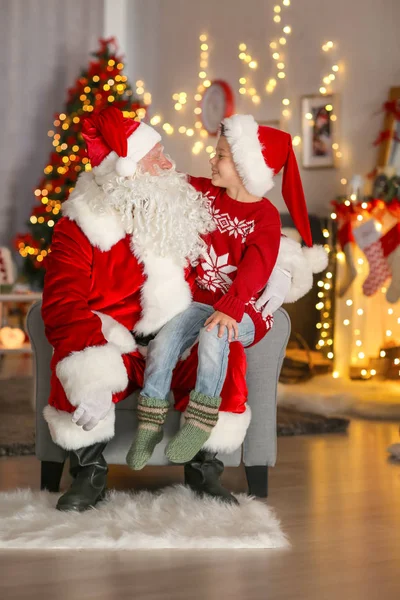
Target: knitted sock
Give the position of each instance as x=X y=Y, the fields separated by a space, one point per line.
x=391 y=250
x=369 y=240
x=201 y=416
x=151 y=416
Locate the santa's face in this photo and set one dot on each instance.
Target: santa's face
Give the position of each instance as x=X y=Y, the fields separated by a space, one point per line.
x=163 y=212
x=155 y=160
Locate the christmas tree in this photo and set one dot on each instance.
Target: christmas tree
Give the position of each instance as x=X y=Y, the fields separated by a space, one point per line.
x=101 y=84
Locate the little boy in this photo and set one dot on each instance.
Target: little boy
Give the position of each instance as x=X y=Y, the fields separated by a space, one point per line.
x=240 y=256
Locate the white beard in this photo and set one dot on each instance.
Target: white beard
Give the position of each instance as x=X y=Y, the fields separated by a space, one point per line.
x=164 y=213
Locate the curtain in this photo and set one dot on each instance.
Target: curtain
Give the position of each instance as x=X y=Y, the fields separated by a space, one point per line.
x=43 y=46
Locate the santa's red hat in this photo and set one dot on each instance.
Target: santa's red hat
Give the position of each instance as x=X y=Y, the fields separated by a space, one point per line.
x=259 y=153
x=115 y=143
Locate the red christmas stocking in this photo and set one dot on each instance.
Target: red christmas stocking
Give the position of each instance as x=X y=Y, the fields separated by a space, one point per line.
x=391 y=251
x=369 y=240
x=346 y=241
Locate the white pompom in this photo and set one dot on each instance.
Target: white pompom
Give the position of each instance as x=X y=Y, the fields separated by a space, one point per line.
x=125 y=166
x=317 y=258
x=291 y=233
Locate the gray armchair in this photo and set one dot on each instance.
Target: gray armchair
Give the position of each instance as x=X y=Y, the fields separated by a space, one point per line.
x=259 y=448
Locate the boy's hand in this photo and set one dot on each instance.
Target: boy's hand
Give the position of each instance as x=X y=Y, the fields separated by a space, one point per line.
x=223 y=320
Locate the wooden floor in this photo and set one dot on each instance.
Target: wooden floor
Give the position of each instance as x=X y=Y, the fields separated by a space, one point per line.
x=339 y=501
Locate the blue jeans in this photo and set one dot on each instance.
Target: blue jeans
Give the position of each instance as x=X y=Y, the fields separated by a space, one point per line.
x=181 y=333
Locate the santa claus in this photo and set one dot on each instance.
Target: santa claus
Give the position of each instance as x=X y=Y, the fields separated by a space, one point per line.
x=122 y=260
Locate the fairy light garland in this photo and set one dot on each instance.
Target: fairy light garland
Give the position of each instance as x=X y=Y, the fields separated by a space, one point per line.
x=277 y=51
x=181 y=102
x=326 y=89
x=362 y=364
x=325 y=297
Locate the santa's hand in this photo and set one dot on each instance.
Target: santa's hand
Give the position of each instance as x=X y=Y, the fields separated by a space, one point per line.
x=94 y=407
x=275 y=292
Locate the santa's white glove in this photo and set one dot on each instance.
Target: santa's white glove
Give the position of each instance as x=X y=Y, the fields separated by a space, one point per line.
x=94 y=407
x=275 y=292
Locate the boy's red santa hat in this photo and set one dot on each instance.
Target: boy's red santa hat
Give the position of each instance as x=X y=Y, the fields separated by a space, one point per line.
x=115 y=143
x=259 y=153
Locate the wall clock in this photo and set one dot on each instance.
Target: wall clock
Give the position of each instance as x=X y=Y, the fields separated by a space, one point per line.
x=218 y=103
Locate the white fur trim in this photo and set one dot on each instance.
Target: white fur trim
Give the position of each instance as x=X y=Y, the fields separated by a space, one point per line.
x=116 y=333
x=71 y=436
x=229 y=432
x=90 y=369
x=165 y=293
x=102 y=230
x=292 y=259
x=316 y=257
x=125 y=166
x=292 y=233
x=301 y=264
x=140 y=142
x=241 y=131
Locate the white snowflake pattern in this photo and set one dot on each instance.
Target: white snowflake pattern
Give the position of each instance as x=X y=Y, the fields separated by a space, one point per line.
x=225 y=222
x=216 y=271
x=269 y=319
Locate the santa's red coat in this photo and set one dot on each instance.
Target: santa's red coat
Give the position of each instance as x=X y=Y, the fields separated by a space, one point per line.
x=96 y=292
x=92 y=300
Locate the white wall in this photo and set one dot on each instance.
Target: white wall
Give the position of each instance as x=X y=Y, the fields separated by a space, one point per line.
x=162 y=48
x=43 y=46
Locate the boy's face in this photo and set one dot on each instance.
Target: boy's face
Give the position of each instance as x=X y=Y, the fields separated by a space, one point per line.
x=223 y=168
x=155 y=160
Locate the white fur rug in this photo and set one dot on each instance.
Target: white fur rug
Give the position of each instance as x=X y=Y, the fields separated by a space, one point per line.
x=171 y=518
x=324 y=395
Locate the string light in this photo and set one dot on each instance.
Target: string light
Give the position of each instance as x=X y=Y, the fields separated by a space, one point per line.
x=271 y=85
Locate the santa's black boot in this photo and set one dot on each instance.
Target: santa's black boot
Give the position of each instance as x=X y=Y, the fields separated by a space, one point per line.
x=89 y=470
x=202 y=475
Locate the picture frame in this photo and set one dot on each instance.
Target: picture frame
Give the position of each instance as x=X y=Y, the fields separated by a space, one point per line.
x=319 y=117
